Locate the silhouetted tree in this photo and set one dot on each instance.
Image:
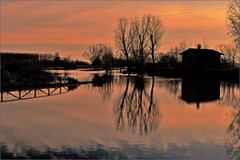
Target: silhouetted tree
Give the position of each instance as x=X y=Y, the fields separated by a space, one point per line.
x=124 y=38
x=155 y=32
x=139 y=38
x=205 y=44
x=174 y=52
x=100 y=55
x=97 y=62
x=94 y=53
x=231 y=54
x=234 y=20
x=172 y=58
x=45 y=57
x=140 y=48
x=56 y=57
x=168 y=60
x=107 y=59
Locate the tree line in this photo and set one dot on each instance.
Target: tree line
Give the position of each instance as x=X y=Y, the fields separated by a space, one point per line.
x=41 y=60
x=138 y=40
x=18 y=69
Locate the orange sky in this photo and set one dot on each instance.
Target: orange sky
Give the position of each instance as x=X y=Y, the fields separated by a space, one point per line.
x=70 y=26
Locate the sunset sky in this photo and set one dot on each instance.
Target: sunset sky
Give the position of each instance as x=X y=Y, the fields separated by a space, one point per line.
x=69 y=27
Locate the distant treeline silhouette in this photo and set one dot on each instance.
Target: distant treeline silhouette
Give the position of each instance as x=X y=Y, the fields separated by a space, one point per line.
x=44 y=60
x=137 y=42
x=102 y=56
x=18 y=69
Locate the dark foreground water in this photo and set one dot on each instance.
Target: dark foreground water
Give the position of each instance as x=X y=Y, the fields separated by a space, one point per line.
x=126 y=118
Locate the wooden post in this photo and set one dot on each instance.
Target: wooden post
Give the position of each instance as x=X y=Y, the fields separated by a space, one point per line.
x=60 y=90
x=19 y=93
x=48 y=91
x=35 y=94
x=1 y=96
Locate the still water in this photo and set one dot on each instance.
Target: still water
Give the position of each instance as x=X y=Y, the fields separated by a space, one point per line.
x=129 y=117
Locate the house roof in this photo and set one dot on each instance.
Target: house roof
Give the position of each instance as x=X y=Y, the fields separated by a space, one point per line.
x=200 y=51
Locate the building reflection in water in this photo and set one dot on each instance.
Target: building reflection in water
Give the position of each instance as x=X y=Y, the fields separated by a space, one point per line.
x=195 y=90
x=207 y=90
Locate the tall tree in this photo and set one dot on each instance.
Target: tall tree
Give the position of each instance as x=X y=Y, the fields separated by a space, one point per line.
x=175 y=51
x=139 y=29
x=155 y=34
x=123 y=37
x=234 y=20
x=100 y=55
x=138 y=38
x=231 y=55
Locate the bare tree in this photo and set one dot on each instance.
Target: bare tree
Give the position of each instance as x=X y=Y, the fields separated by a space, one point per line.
x=107 y=59
x=231 y=54
x=180 y=47
x=100 y=55
x=173 y=57
x=123 y=37
x=234 y=20
x=138 y=45
x=139 y=38
x=155 y=33
x=93 y=53
x=205 y=44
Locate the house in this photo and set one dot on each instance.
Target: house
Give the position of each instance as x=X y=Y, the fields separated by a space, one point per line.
x=197 y=58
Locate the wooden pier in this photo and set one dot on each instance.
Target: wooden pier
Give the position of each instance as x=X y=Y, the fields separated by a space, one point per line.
x=59 y=85
x=24 y=94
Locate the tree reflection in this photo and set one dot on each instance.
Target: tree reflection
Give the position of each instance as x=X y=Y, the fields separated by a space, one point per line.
x=137 y=107
x=103 y=84
x=233 y=145
x=171 y=85
x=231 y=96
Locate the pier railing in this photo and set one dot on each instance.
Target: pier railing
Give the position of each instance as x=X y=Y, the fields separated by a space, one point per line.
x=56 y=86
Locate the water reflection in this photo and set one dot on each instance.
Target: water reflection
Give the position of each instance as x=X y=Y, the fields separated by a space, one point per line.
x=231 y=96
x=33 y=92
x=198 y=90
x=185 y=133
x=62 y=153
x=125 y=151
x=103 y=83
x=233 y=130
x=207 y=90
x=136 y=107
